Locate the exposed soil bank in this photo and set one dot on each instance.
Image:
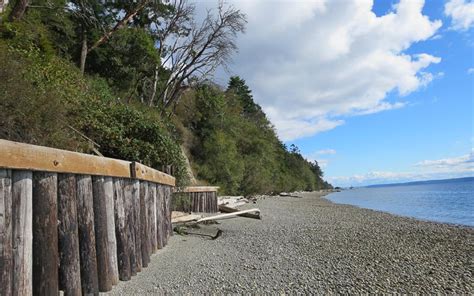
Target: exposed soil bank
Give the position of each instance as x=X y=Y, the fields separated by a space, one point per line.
x=311 y=245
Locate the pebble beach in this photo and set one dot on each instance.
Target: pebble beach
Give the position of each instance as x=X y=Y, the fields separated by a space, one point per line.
x=310 y=245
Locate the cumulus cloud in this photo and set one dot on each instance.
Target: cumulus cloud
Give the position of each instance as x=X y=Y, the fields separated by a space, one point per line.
x=425 y=170
x=461 y=13
x=312 y=63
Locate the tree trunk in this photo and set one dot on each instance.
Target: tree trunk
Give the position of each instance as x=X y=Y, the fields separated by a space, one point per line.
x=84 y=52
x=18 y=10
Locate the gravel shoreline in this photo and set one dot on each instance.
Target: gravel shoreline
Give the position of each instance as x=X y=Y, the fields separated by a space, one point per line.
x=311 y=245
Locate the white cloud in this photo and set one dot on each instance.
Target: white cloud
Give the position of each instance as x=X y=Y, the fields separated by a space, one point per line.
x=461 y=13
x=326 y=151
x=470 y=71
x=312 y=63
x=425 y=170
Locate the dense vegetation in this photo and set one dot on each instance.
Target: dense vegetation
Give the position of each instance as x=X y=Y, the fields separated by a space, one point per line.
x=88 y=77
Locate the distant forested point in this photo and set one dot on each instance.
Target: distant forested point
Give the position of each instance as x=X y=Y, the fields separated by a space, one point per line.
x=453 y=180
x=133 y=80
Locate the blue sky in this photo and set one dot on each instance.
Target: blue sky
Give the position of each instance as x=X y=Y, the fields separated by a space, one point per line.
x=376 y=92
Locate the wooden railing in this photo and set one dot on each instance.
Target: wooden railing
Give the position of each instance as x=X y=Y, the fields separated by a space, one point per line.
x=77 y=223
x=196 y=199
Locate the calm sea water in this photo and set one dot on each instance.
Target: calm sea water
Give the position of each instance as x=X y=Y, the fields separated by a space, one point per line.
x=451 y=202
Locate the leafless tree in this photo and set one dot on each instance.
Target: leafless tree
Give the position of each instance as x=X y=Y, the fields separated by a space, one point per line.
x=190 y=52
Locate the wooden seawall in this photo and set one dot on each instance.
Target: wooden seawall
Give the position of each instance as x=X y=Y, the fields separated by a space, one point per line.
x=196 y=199
x=77 y=223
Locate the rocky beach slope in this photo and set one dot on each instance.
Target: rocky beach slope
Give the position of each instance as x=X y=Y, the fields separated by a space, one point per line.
x=311 y=245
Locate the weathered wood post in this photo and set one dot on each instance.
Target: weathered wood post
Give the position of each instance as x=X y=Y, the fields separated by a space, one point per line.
x=121 y=232
x=87 y=246
x=112 y=242
x=101 y=234
x=129 y=222
x=6 y=243
x=68 y=237
x=137 y=223
x=153 y=217
x=159 y=217
x=145 y=238
x=45 y=234
x=22 y=213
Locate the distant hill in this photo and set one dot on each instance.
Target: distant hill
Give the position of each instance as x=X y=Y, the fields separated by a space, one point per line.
x=465 y=179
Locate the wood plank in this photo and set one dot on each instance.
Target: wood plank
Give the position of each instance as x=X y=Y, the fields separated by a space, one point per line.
x=6 y=243
x=123 y=258
x=145 y=241
x=199 y=189
x=45 y=233
x=68 y=237
x=112 y=242
x=87 y=250
x=101 y=233
x=38 y=158
x=145 y=173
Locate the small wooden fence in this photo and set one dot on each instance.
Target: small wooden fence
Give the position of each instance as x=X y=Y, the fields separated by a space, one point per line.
x=196 y=199
x=77 y=223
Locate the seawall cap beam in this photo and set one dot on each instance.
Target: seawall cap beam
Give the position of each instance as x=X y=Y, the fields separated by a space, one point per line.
x=22 y=156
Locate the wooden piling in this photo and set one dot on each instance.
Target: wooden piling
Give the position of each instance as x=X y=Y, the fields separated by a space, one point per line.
x=22 y=214
x=45 y=234
x=112 y=242
x=101 y=238
x=6 y=243
x=123 y=258
x=159 y=217
x=87 y=245
x=137 y=223
x=145 y=238
x=68 y=237
x=129 y=222
x=153 y=216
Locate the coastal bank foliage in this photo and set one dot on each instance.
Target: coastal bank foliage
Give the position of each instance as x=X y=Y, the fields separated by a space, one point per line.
x=119 y=101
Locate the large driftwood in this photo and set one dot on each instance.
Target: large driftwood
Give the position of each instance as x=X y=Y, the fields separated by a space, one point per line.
x=101 y=237
x=69 y=262
x=87 y=249
x=226 y=209
x=225 y=216
x=45 y=233
x=121 y=232
x=186 y=218
x=22 y=213
x=6 y=247
x=112 y=242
